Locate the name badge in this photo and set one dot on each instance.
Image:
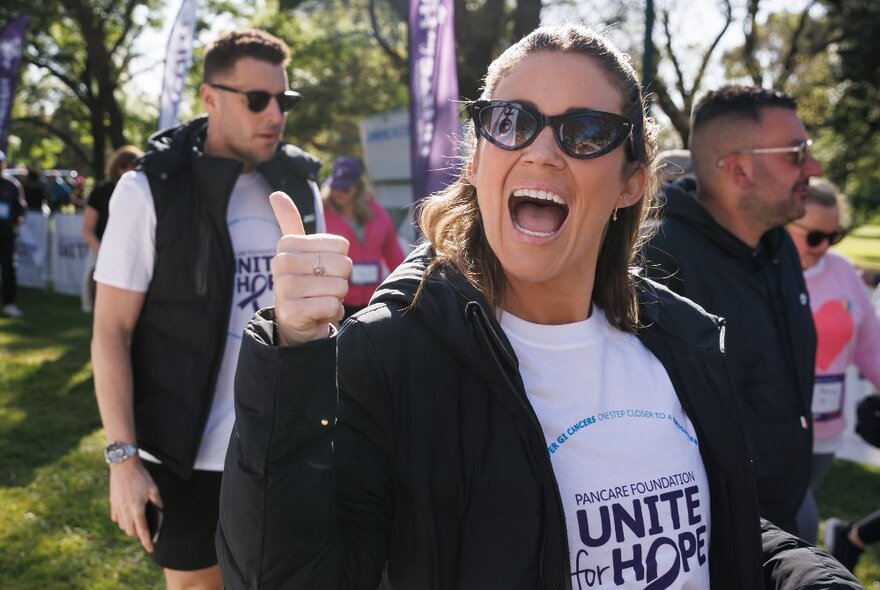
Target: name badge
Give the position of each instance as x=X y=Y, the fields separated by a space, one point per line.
x=828 y=392
x=5 y=210
x=365 y=273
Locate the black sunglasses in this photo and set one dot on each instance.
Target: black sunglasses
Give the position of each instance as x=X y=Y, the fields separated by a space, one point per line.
x=816 y=237
x=257 y=100
x=581 y=134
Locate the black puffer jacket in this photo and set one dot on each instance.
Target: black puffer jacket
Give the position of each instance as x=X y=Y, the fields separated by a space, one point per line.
x=438 y=473
x=771 y=341
x=177 y=345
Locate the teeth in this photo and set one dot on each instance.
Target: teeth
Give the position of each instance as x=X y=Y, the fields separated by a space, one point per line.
x=529 y=232
x=540 y=196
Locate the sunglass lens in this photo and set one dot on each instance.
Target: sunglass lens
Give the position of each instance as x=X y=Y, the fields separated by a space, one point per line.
x=814 y=238
x=586 y=135
x=287 y=101
x=507 y=126
x=257 y=100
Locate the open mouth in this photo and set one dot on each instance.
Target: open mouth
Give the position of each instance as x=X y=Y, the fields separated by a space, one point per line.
x=537 y=213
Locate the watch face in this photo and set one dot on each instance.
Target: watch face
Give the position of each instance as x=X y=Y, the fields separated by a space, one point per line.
x=119 y=452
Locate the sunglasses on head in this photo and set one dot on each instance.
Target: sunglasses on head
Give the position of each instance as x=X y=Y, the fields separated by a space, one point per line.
x=816 y=237
x=258 y=100
x=581 y=134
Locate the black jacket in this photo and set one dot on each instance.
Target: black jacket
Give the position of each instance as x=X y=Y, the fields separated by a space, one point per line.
x=12 y=203
x=179 y=338
x=438 y=473
x=771 y=341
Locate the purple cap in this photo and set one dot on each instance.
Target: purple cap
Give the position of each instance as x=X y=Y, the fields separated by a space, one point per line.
x=346 y=171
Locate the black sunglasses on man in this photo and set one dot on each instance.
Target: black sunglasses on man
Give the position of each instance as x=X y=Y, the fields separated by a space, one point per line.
x=258 y=100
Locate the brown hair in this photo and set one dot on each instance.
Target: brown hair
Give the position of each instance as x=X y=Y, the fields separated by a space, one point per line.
x=122 y=160
x=363 y=212
x=451 y=221
x=222 y=55
x=736 y=107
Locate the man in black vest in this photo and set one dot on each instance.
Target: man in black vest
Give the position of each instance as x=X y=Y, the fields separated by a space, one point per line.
x=183 y=266
x=721 y=243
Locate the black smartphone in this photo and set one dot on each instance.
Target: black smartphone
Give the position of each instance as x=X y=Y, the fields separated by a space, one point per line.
x=155 y=516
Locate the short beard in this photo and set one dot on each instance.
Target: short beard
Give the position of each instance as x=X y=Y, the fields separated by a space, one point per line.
x=251 y=159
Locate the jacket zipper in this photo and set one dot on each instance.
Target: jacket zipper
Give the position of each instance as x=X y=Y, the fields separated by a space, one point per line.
x=202 y=256
x=491 y=337
x=739 y=419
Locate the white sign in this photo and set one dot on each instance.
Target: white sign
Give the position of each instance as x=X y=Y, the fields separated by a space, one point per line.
x=31 y=249
x=69 y=254
x=386 y=140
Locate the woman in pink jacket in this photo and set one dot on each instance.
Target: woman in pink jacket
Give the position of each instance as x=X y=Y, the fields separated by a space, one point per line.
x=848 y=331
x=352 y=212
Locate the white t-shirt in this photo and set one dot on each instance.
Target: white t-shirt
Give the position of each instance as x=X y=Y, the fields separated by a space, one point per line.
x=624 y=453
x=127 y=257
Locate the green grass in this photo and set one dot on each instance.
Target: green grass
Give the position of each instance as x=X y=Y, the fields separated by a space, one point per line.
x=852 y=491
x=55 y=532
x=862 y=246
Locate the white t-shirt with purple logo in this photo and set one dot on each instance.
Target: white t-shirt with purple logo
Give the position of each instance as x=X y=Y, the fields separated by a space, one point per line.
x=624 y=453
x=126 y=260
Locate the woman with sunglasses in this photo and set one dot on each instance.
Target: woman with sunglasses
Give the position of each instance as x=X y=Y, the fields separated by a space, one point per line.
x=847 y=329
x=515 y=409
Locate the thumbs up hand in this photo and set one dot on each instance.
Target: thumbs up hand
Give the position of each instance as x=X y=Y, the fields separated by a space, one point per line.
x=310 y=274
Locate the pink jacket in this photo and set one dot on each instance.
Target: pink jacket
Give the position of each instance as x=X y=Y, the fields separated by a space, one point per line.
x=848 y=333
x=373 y=258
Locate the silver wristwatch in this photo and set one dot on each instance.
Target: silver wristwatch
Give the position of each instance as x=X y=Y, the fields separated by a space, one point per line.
x=117 y=452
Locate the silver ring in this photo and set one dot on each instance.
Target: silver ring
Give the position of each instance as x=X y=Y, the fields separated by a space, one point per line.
x=318 y=270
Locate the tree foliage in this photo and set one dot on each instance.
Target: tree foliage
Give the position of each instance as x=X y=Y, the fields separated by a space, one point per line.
x=677 y=97
x=828 y=57
x=78 y=53
x=76 y=102
x=350 y=58
x=855 y=117
x=483 y=29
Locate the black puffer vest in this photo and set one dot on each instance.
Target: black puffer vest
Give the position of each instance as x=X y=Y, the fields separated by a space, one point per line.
x=178 y=342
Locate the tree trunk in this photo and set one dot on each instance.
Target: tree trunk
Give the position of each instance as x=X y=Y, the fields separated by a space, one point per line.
x=106 y=116
x=477 y=32
x=526 y=18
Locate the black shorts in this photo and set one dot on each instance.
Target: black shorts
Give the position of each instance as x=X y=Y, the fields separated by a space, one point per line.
x=191 y=510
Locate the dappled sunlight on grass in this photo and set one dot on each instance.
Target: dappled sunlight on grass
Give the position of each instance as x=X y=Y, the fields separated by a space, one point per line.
x=851 y=491
x=862 y=247
x=56 y=531
x=55 y=528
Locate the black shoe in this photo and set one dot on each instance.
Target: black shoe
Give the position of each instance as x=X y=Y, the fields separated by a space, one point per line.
x=838 y=544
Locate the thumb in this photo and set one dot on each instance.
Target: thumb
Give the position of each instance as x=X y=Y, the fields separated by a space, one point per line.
x=287 y=214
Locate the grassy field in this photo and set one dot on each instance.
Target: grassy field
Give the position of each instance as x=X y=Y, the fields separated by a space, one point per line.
x=862 y=246
x=55 y=532
x=54 y=527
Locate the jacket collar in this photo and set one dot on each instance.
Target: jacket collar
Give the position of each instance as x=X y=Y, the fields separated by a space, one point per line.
x=680 y=201
x=455 y=311
x=175 y=148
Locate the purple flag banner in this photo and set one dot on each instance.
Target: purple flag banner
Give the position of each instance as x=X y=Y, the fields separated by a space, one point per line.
x=10 y=58
x=433 y=86
x=178 y=57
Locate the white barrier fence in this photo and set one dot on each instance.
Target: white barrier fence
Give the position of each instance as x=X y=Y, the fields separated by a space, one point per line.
x=51 y=253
